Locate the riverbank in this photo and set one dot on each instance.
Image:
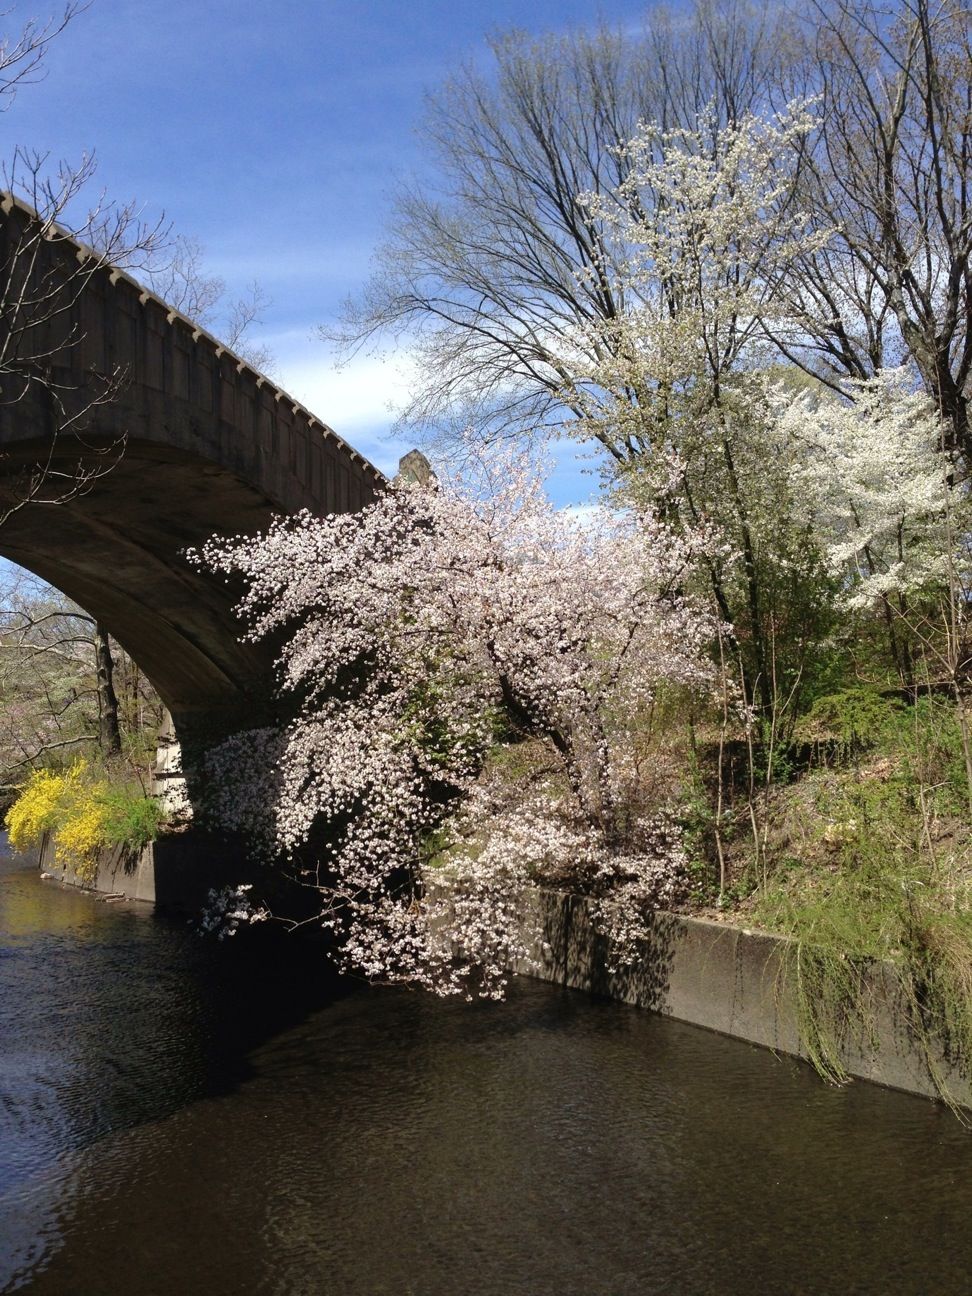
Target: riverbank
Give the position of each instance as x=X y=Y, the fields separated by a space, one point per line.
x=742 y=983
x=185 y=1115
x=175 y=871
x=727 y=978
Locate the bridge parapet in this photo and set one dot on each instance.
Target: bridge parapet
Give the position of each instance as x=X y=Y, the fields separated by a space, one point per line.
x=170 y=380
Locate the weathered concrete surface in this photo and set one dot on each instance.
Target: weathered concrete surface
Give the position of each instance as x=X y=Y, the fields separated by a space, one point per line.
x=730 y=980
x=176 y=871
x=197 y=443
x=711 y=974
x=119 y=872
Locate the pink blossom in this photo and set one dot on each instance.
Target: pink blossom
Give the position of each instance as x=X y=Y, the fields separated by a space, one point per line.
x=416 y=632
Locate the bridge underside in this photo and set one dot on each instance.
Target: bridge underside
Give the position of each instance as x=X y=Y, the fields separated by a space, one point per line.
x=119 y=551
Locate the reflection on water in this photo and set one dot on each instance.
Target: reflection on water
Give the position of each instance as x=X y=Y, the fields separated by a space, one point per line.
x=183 y=1117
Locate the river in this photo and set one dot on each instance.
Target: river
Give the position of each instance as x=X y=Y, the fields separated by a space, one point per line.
x=180 y=1116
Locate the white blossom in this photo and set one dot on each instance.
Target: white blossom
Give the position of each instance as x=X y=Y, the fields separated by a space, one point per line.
x=702 y=230
x=414 y=630
x=874 y=482
x=226 y=909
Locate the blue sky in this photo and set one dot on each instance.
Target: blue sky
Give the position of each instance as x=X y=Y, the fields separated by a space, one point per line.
x=275 y=134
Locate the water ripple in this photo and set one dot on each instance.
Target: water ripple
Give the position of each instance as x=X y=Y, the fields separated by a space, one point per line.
x=182 y=1117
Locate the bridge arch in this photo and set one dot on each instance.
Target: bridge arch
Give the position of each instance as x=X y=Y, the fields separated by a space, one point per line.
x=183 y=439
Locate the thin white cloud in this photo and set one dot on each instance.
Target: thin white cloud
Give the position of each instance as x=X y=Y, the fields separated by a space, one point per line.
x=363 y=394
x=358 y=400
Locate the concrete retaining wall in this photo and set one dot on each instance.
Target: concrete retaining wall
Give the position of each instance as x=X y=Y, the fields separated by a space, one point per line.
x=734 y=981
x=119 y=872
x=175 y=872
x=712 y=974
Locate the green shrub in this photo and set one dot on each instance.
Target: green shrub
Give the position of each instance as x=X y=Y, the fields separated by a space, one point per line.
x=849 y=721
x=132 y=819
x=879 y=888
x=84 y=813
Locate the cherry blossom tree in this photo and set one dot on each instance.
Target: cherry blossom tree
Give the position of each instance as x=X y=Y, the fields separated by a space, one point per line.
x=876 y=480
x=417 y=634
x=489 y=268
x=701 y=229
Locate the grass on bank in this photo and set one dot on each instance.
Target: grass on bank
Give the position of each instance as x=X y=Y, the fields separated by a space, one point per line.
x=863 y=855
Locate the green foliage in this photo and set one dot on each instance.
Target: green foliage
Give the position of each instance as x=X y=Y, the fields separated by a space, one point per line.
x=696 y=819
x=776 y=590
x=85 y=813
x=893 y=783
x=521 y=762
x=131 y=818
x=911 y=917
x=849 y=721
x=929 y=739
x=426 y=720
x=873 y=864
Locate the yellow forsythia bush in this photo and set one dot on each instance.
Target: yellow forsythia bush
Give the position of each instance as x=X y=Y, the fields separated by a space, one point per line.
x=37 y=809
x=83 y=832
x=84 y=812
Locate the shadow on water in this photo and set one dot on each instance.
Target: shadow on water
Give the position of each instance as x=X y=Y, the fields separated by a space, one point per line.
x=113 y=991
x=112 y=1015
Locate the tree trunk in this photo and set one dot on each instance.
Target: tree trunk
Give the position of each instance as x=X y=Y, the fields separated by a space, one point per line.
x=109 y=730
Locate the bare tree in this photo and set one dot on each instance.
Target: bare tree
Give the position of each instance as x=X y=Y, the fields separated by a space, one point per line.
x=487 y=277
x=483 y=274
x=46 y=207
x=65 y=687
x=43 y=664
x=46 y=647
x=44 y=204
x=181 y=280
x=890 y=175
x=22 y=54
x=39 y=292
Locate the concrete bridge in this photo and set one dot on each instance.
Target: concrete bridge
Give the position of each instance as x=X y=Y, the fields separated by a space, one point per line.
x=134 y=434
